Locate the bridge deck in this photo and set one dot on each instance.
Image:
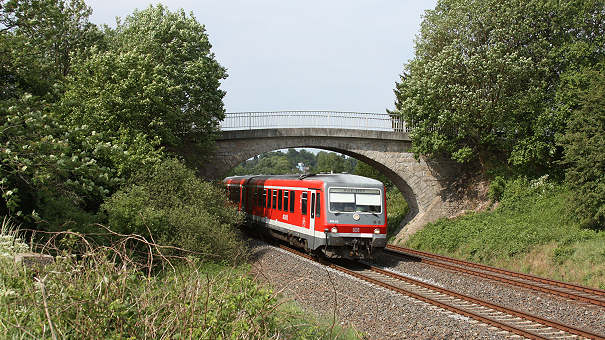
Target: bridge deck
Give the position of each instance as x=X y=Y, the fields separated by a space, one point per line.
x=313 y=132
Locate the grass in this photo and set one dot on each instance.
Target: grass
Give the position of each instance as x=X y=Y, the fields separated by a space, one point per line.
x=397 y=208
x=11 y=242
x=530 y=231
x=103 y=291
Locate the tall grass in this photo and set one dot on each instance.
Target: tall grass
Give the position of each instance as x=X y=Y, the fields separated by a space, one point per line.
x=11 y=241
x=107 y=291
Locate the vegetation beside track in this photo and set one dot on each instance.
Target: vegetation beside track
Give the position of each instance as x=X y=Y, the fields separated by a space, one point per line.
x=530 y=230
x=100 y=292
x=397 y=208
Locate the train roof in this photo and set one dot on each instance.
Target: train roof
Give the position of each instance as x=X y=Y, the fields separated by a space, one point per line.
x=341 y=178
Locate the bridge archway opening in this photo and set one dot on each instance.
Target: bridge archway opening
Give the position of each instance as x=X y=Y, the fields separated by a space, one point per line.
x=398 y=182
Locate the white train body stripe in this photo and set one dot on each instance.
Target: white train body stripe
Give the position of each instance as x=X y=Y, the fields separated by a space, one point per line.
x=309 y=232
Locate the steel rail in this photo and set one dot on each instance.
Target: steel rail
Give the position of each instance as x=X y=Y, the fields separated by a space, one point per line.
x=490 y=305
x=490 y=321
x=575 y=292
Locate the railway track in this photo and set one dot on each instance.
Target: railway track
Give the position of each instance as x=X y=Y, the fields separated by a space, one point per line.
x=563 y=289
x=509 y=320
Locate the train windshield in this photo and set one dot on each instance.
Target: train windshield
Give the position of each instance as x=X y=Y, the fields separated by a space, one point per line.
x=355 y=200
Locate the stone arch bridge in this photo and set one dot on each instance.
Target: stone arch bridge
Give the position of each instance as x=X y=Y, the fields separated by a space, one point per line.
x=378 y=139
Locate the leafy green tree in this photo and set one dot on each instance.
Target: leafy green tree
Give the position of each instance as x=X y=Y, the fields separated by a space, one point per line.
x=483 y=81
x=584 y=143
x=363 y=169
x=38 y=39
x=303 y=156
x=270 y=163
x=157 y=76
x=53 y=173
x=169 y=204
x=333 y=162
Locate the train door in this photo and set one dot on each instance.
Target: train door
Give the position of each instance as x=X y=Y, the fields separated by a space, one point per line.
x=312 y=220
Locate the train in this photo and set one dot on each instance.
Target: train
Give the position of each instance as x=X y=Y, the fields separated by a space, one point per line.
x=337 y=215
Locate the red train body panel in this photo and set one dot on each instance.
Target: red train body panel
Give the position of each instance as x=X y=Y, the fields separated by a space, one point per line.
x=338 y=214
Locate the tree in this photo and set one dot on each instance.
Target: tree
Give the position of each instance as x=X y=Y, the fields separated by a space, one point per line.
x=59 y=174
x=363 y=169
x=332 y=162
x=584 y=143
x=484 y=78
x=158 y=76
x=38 y=40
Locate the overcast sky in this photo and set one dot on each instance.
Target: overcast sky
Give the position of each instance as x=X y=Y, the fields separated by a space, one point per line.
x=301 y=55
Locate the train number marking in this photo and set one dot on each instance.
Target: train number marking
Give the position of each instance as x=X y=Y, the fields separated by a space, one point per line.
x=355 y=230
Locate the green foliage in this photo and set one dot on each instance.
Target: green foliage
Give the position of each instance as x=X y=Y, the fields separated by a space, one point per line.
x=397 y=209
x=280 y=163
x=38 y=40
x=584 y=143
x=169 y=204
x=269 y=163
x=333 y=162
x=308 y=159
x=53 y=173
x=365 y=170
x=106 y=294
x=496 y=188
x=530 y=231
x=11 y=242
x=99 y=299
x=531 y=213
x=157 y=77
x=485 y=76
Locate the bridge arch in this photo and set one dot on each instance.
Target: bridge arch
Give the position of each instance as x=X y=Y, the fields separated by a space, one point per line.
x=424 y=184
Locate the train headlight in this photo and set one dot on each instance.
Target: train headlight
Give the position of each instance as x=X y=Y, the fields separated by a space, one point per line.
x=377 y=231
x=334 y=230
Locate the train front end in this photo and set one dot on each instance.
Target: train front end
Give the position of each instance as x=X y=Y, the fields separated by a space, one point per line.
x=356 y=219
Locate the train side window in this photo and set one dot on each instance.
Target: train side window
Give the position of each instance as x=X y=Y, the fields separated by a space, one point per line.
x=318 y=205
x=274 y=202
x=303 y=203
x=292 y=200
x=269 y=198
x=286 y=195
x=279 y=201
x=312 y=205
x=263 y=200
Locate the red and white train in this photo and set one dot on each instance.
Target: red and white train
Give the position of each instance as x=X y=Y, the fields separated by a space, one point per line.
x=338 y=214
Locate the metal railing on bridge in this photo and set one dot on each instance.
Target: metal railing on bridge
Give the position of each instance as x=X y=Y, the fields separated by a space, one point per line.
x=313 y=119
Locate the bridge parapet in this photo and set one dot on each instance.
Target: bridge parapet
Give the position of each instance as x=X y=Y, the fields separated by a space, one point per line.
x=313 y=119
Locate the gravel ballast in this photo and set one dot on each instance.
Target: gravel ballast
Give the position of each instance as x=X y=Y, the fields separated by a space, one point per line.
x=374 y=311
x=570 y=312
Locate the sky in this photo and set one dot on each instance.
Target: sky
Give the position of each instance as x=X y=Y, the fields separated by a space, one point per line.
x=332 y=55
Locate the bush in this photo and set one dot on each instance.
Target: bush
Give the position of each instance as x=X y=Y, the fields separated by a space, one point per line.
x=171 y=206
x=532 y=212
x=496 y=189
x=397 y=208
x=97 y=298
x=584 y=144
x=102 y=292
